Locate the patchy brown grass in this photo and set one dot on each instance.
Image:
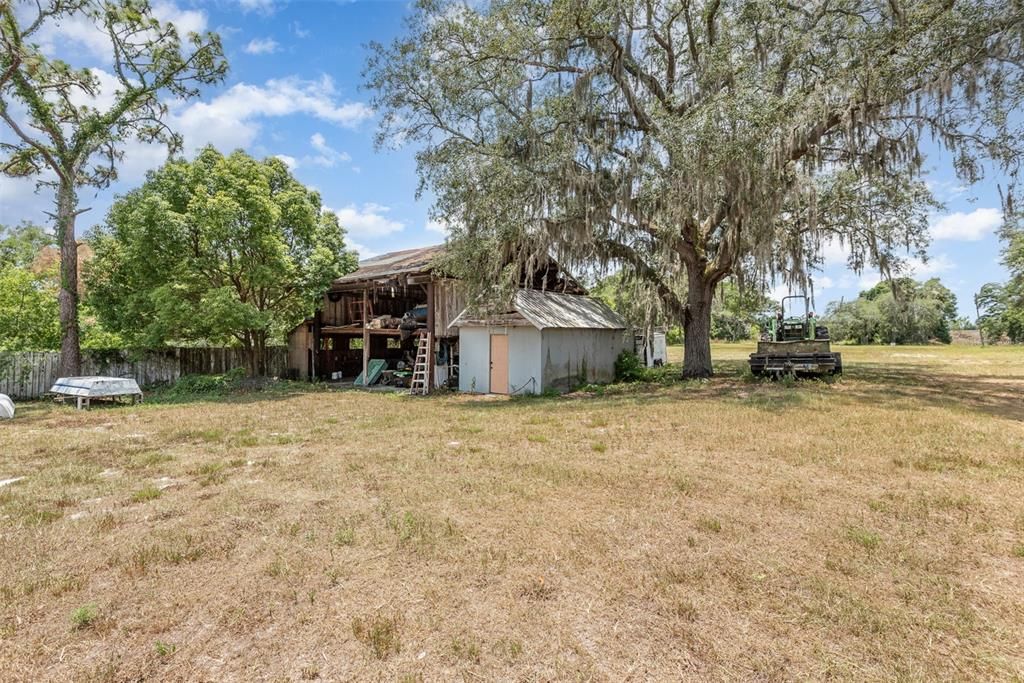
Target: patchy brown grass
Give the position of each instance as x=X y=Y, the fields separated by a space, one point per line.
x=870 y=528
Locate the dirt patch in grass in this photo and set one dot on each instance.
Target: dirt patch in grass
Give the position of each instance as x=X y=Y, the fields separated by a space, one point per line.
x=870 y=528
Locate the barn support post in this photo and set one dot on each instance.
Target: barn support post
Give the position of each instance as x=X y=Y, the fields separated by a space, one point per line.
x=366 y=333
x=431 y=336
x=318 y=322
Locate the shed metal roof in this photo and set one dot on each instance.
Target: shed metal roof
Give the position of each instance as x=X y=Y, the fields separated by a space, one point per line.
x=405 y=262
x=545 y=310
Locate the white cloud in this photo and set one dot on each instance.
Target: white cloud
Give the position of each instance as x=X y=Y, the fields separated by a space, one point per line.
x=328 y=156
x=229 y=119
x=868 y=280
x=833 y=253
x=187 y=21
x=368 y=221
x=83 y=32
x=778 y=291
x=935 y=265
x=298 y=31
x=823 y=282
x=967 y=227
x=261 y=6
x=438 y=226
x=106 y=91
x=277 y=97
x=262 y=46
x=364 y=252
x=912 y=267
x=290 y=162
x=946 y=190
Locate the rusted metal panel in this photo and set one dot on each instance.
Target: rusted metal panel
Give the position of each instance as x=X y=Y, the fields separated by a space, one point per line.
x=801 y=346
x=398 y=263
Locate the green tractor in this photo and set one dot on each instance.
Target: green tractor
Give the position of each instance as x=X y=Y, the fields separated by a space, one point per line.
x=792 y=343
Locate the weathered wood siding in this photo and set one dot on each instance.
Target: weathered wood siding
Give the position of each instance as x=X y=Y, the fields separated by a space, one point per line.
x=449 y=301
x=27 y=375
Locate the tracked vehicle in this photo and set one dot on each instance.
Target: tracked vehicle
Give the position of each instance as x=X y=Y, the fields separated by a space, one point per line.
x=792 y=343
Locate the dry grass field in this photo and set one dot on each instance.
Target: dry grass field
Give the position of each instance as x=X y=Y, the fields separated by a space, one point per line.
x=865 y=529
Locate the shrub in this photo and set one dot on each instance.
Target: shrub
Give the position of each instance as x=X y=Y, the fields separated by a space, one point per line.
x=629 y=367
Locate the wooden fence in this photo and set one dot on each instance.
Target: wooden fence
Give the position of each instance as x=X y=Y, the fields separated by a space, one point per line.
x=25 y=375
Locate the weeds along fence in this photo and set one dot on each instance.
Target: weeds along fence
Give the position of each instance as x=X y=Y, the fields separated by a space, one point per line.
x=29 y=374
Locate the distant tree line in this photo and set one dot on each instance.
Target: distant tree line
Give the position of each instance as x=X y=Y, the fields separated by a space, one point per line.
x=897 y=311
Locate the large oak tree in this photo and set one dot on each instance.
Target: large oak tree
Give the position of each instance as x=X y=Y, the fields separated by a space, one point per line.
x=68 y=134
x=680 y=141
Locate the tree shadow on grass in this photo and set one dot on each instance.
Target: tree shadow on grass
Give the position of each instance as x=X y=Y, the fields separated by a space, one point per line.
x=912 y=386
x=893 y=386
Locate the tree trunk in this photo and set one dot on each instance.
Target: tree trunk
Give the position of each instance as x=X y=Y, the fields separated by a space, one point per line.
x=67 y=298
x=261 y=354
x=249 y=351
x=697 y=326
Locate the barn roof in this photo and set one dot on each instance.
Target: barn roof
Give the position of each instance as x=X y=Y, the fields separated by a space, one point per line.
x=552 y=310
x=405 y=262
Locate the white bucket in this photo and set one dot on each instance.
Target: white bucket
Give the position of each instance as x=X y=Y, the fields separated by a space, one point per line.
x=6 y=408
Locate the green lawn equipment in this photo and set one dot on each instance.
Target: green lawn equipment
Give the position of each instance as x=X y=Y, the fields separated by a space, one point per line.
x=792 y=343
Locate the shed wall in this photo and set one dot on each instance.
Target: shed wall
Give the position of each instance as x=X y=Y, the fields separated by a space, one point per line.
x=524 y=359
x=575 y=357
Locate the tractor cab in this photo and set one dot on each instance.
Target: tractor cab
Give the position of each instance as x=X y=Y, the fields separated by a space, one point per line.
x=796 y=320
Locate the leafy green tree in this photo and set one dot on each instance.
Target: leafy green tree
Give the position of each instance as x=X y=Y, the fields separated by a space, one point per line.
x=632 y=299
x=680 y=139
x=29 y=281
x=221 y=249
x=21 y=244
x=1001 y=305
x=29 y=319
x=737 y=310
x=901 y=311
x=63 y=137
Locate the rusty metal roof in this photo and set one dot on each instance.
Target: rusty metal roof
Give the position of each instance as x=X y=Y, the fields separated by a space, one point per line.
x=405 y=262
x=546 y=310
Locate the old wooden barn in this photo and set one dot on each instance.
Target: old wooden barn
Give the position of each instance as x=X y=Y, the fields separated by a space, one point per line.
x=373 y=321
x=379 y=312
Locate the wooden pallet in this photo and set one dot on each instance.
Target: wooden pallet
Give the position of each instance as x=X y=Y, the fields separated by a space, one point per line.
x=419 y=383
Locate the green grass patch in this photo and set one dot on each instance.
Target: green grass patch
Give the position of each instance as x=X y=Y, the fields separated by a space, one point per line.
x=146 y=493
x=84 y=617
x=864 y=537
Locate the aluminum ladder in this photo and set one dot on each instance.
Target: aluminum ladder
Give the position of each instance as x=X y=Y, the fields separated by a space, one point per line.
x=421 y=368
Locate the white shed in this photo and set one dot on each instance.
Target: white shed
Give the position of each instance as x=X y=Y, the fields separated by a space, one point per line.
x=545 y=341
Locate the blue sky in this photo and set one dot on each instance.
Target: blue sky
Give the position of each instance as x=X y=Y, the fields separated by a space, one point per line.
x=294 y=91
